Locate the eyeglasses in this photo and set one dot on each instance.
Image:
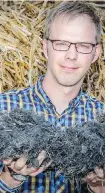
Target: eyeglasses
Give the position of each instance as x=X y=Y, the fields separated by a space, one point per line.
x=81 y=47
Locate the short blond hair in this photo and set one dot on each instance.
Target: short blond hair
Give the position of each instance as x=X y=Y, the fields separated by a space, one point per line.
x=73 y=8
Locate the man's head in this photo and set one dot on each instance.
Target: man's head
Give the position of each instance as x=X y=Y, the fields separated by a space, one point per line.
x=78 y=28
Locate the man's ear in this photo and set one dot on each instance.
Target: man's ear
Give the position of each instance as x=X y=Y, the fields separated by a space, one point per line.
x=45 y=48
x=97 y=53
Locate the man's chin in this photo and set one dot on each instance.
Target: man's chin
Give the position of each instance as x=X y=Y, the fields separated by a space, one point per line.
x=69 y=84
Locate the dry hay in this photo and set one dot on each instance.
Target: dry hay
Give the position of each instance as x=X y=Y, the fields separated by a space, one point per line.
x=21 y=55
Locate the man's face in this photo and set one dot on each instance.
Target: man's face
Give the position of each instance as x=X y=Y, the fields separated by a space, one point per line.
x=68 y=68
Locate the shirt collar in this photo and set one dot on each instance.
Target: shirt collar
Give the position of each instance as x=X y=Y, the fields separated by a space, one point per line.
x=41 y=93
x=76 y=100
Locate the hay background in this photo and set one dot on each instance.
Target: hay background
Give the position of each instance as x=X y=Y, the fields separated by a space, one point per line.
x=21 y=55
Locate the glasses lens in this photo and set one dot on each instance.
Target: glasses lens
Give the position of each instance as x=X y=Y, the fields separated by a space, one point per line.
x=61 y=45
x=84 y=47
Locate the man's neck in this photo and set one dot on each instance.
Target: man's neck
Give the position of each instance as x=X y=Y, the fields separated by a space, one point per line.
x=59 y=95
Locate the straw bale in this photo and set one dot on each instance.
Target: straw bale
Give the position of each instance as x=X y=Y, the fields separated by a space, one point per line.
x=21 y=55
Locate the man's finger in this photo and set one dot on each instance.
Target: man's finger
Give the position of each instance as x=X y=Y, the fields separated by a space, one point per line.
x=47 y=164
x=42 y=155
x=89 y=177
x=41 y=169
x=20 y=163
x=99 y=172
x=38 y=171
x=7 y=161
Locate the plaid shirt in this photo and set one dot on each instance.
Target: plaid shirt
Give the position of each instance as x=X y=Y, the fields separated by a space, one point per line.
x=80 y=109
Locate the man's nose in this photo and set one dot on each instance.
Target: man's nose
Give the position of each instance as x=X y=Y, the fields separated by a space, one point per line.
x=71 y=53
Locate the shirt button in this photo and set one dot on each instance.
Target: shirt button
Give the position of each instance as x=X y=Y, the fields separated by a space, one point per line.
x=59 y=119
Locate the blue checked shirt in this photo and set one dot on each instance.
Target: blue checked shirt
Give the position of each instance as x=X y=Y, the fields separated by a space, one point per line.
x=80 y=109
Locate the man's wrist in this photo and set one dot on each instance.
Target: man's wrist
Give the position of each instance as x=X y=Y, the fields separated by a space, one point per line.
x=6 y=178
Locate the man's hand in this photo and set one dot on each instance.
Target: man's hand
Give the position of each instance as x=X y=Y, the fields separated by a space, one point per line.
x=95 y=181
x=20 y=167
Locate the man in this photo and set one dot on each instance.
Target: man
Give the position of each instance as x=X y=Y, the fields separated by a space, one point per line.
x=71 y=44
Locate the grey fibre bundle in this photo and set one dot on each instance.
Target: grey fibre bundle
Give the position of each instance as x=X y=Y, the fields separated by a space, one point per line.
x=75 y=151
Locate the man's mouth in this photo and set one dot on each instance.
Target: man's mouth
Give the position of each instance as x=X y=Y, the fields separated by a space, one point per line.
x=69 y=68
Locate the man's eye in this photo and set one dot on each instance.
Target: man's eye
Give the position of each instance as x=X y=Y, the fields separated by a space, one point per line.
x=84 y=45
x=60 y=43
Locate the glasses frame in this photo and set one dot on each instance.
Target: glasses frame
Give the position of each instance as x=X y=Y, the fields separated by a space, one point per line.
x=70 y=43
